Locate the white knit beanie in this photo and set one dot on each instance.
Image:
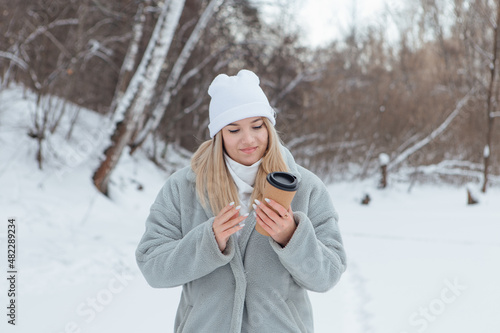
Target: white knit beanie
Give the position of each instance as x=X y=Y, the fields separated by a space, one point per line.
x=235 y=98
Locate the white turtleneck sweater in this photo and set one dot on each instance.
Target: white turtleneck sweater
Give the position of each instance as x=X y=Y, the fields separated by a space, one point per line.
x=244 y=178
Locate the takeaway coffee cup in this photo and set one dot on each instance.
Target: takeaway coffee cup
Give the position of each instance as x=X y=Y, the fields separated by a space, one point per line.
x=280 y=187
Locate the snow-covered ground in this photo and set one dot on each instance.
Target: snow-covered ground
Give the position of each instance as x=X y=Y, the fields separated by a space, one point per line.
x=419 y=260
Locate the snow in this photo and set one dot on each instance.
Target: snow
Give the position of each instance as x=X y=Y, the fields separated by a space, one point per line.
x=486 y=151
x=383 y=159
x=474 y=193
x=419 y=260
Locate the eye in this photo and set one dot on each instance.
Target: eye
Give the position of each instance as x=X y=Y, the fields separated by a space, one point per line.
x=257 y=127
x=234 y=131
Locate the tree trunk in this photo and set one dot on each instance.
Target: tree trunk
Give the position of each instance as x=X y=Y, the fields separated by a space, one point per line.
x=489 y=103
x=175 y=73
x=127 y=69
x=139 y=92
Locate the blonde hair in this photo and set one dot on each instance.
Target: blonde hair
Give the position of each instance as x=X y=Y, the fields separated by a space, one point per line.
x=215 y=183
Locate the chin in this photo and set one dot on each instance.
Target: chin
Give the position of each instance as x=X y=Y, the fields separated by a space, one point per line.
x=248 y=160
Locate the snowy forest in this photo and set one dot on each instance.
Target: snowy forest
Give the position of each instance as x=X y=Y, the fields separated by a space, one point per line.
x=427 y=98
x=101 y=101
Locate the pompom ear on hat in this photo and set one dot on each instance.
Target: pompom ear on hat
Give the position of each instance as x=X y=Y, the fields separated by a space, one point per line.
x=235 y=98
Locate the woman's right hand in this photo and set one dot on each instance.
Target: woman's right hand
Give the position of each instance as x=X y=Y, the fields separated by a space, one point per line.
x=226 y=223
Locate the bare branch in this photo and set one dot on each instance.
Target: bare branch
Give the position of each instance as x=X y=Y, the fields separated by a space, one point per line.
x=195 y=70
x=300 y=77
x=43 y=29
x=405 y=154
x=18 y=61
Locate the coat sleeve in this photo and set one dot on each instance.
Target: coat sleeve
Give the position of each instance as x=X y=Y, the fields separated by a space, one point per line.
x=166 y=257
x=315 y=255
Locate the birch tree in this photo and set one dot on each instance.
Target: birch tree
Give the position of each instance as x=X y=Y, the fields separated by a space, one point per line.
x=127 y=69
x=140 y=91
x=175 y=74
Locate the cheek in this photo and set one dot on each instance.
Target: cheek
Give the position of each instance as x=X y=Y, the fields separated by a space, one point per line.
x=229 y=143
x=264 y=137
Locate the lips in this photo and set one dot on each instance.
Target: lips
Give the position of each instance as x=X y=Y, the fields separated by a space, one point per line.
x=248 y=150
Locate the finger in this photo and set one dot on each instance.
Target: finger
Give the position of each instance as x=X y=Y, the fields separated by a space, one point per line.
x=263 y=224
x=228 y=229
x=225 y=216
x=268 y=211
x=262 y=211
x=231 y=231
x=272 y=225
x=233 y=217
x=282 y=211
x=233 y=222
x=227 y=208
x=237 y=220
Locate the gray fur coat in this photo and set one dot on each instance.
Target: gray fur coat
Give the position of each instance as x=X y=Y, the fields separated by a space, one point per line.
x=255 y=285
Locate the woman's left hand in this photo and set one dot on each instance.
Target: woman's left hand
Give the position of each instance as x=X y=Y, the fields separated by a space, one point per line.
x=280 y=225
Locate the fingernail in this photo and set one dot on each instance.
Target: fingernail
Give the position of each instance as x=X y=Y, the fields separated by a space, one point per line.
x=257 y=202
x=238 y=207
x=246 y=214
x=231 y=203
x=267 y=200
x=254 y=206
x=242 y=225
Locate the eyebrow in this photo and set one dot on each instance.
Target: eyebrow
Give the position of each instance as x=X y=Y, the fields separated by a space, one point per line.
x=256 y=120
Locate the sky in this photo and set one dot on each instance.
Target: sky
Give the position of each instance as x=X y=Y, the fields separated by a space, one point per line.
x=326 y=20
x=322 y=21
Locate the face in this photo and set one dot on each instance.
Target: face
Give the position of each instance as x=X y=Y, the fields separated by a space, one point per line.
x=245 y=141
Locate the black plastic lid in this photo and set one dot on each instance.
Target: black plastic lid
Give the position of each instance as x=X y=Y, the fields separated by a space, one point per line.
x=283 y=180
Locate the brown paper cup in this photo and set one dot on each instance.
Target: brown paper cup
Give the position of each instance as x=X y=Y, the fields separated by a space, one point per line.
x=281 y=196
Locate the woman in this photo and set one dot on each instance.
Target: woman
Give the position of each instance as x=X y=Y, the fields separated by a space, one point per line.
x=200 y=235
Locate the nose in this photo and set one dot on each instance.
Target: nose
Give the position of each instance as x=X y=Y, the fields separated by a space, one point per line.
x=247 y=138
